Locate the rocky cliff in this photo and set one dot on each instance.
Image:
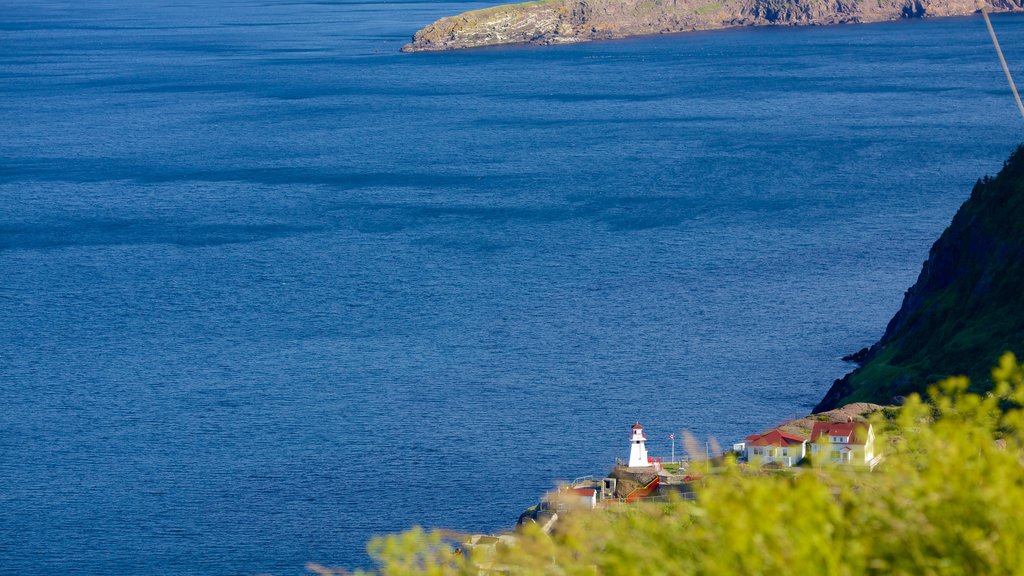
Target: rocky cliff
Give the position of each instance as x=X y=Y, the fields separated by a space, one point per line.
x=966 y=308
x=557 y=21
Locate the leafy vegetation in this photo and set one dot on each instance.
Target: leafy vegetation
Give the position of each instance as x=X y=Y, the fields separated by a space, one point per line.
x=966 y=307
x=946 y=501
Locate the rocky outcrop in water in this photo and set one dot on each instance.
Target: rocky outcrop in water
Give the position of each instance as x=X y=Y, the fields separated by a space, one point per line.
x=560 y=21
x=966 y=308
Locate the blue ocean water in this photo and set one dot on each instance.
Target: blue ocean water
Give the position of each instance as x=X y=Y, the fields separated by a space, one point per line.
x=269 y=287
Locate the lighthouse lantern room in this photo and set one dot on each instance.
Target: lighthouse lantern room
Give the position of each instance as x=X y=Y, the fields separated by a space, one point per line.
x=637 y=448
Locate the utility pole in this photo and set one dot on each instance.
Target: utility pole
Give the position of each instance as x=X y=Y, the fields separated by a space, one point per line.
x=999 y=52
x=672 y=437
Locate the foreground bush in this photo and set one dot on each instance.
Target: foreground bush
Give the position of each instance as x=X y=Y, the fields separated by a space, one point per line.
x=948 y=499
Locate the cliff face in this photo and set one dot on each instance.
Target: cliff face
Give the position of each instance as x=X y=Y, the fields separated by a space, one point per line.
x=557 y=21
x=966 y=308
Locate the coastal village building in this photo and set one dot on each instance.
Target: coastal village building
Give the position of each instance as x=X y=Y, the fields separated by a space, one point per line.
x=638 y=448
x=775 y=447
x=844 y=443
x=585 y=497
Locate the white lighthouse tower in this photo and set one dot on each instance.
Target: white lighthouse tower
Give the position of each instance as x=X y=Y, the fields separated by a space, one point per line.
x=637 y=448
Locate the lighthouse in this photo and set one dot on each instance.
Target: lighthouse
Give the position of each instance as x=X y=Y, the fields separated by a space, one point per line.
x=637 y=448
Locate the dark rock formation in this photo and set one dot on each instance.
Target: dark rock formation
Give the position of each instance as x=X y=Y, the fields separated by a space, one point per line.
x=858 y=357
x=629 y=479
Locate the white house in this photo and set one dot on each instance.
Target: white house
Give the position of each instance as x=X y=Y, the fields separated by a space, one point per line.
x=844 y=443
x=568 y=498
x=585 y=497
x=775 y=447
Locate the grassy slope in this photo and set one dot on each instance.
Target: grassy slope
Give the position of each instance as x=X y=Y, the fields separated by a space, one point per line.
x=968 y=305
x=482 y=15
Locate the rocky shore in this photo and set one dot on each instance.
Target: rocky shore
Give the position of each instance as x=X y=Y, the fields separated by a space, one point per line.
x=563 y=21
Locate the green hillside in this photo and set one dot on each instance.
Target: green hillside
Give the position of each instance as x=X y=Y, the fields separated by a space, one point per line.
x=966 y=308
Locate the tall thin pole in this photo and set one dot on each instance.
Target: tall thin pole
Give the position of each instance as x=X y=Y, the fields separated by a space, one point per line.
x=1002 y=60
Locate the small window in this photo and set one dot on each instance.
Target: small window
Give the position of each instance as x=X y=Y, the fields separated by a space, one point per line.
x=785 y=452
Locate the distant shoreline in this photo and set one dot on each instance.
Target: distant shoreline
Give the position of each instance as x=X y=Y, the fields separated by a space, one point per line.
x=550 y=22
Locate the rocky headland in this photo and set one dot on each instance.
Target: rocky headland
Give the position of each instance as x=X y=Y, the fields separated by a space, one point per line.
x=966 y=309
x=562 y=21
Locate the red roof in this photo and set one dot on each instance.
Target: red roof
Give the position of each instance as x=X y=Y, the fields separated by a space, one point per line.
x=775 y=438
x=637 y=426
x=856 y=432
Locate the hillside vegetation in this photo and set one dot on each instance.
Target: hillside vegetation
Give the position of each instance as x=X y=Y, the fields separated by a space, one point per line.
x=966 y=308
x=946 y=501
x=558 y=21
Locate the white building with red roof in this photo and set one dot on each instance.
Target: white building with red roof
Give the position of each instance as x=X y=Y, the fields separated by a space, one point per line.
x=585 y=497
x=844 y=443
x=775 y=447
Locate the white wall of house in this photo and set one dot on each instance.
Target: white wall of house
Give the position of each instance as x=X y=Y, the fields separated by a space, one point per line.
x=839 y=450
x=587 y=500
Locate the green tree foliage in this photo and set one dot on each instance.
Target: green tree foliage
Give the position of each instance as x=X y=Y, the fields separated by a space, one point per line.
x=966 y=307
x=947 y=500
